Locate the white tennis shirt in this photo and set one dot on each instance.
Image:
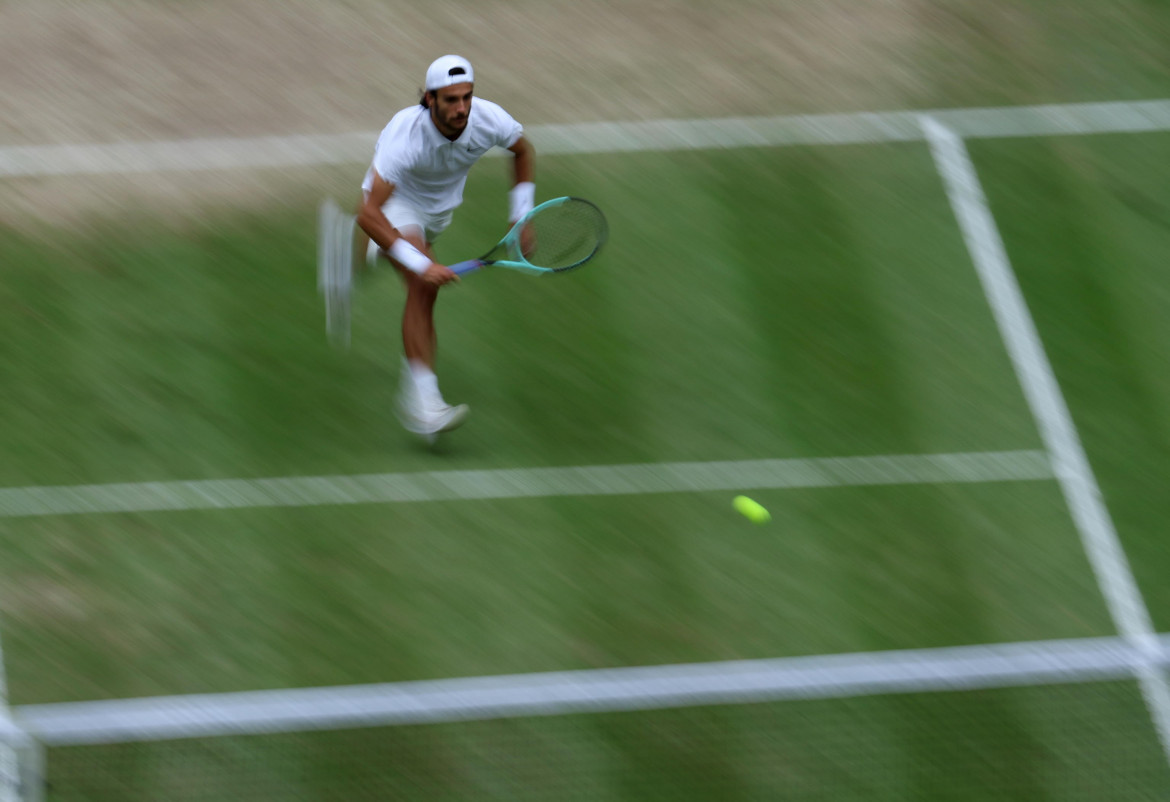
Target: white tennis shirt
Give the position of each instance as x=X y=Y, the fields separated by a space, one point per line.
x=427 y=169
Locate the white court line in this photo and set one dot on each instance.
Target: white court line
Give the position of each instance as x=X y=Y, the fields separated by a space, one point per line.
x=1035 y=374
x=961 y=668
x=606 y=137
x=21 y=769
x=19 y=755
x=594 y=480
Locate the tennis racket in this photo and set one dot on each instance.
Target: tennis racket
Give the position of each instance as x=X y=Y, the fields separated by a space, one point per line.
x=335 y=231
x=558 y=235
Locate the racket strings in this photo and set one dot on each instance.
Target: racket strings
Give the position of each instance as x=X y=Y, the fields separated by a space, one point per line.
x=565 y=235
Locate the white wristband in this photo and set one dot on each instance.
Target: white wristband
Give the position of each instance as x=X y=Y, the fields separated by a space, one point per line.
x=409 y=256
x=521 y=198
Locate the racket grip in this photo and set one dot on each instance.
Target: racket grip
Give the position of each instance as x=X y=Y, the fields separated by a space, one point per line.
x=466 y=267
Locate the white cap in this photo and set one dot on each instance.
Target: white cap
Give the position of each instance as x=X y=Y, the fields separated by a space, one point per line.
x=448 y=70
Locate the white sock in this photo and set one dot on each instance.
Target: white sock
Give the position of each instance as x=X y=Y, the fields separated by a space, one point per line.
x=426 y=383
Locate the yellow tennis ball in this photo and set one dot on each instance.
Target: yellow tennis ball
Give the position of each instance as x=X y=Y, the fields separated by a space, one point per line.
x=751 y=510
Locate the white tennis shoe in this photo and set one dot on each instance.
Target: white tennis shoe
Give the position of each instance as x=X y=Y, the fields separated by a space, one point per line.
x=429 y=419
x=447 y=417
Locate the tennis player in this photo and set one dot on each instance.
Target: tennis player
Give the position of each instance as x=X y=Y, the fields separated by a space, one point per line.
x=410 y=192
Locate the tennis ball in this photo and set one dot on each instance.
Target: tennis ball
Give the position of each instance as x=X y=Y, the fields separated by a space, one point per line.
x=751 y=510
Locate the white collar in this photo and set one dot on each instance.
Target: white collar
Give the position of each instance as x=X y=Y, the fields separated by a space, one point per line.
x=435 y=136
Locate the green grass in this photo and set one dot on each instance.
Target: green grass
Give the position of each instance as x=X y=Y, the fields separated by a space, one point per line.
x=751 y=304
x=723 y=325
x=1060 y=742
x=119 y=605
x=1087 y=223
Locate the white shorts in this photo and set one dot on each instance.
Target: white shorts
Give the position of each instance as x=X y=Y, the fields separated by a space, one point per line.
x=403 y=214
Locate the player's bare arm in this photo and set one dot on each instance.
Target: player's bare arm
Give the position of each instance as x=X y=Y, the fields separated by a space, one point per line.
x=370 y=217
x=372 y=221
x=523 y=193
x=523 y=162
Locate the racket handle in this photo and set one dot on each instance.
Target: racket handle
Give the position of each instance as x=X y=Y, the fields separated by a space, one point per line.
x=466 y=267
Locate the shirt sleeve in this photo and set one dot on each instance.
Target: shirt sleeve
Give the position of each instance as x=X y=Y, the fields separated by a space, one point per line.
x=504 y=129
x=512 y=131
x=389 y=163
x=392 y=151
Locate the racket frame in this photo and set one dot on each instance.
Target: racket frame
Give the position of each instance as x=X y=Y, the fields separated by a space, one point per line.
x=512 y=247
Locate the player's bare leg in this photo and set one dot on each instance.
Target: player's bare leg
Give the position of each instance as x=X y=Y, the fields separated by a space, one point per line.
x=421 y=405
